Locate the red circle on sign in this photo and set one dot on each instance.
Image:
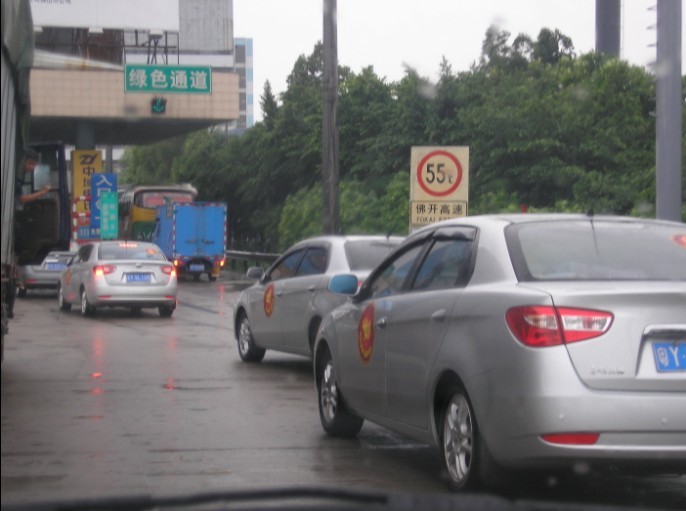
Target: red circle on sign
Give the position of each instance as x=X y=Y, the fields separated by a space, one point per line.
x=457 y=166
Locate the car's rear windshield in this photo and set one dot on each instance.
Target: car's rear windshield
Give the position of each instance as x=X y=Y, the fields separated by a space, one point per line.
x=367 y=254
x=594 y=249
x=130 y=250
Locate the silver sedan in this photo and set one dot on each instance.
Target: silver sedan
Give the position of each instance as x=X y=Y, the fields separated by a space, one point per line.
x=521 y=341
x=118 y=274
x=282 y=311
x=45 y=275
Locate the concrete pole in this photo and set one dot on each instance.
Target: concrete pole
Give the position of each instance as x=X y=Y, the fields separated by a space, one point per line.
x=669 y=110
x=330 y=120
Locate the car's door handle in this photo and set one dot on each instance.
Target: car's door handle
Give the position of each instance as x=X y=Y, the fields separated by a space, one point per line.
x=439 y=315
x=278 y=292
x=382 y=322
x=312 y=288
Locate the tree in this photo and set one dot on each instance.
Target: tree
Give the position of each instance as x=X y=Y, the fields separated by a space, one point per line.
x=269 y=106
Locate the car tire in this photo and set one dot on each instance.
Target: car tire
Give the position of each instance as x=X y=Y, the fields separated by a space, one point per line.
x=86 y=308
x=166 y=311
x=336 y=419
x=21 y=292
x=465 y=457
x=63 y=304
x=211 y=277
x=247 y=349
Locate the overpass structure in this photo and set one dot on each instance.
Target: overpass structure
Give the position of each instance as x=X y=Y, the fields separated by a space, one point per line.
x=84 y=103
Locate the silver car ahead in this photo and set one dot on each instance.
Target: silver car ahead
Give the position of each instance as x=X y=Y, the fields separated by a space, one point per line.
x=284 y=309
x=45 y=275
x=518 y=341
x=132 y=274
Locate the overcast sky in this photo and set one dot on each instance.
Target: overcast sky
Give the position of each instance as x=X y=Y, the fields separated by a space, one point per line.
x=389 y=34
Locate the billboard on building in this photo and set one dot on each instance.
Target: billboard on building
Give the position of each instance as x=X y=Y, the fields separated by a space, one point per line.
x=100 y=14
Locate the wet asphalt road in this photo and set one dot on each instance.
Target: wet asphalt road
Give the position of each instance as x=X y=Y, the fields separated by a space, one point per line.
x=128 y=405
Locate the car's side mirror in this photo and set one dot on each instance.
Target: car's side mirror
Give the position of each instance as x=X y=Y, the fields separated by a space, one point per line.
x=255 y=273
x=343 y=284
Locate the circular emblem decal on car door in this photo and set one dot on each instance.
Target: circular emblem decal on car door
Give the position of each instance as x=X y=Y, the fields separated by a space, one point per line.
x=269 y=300
x=365 y=333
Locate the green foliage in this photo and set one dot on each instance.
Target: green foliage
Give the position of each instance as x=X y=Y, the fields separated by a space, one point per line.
x=546 y=129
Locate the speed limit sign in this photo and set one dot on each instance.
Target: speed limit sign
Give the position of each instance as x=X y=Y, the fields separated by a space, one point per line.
x=439 y=186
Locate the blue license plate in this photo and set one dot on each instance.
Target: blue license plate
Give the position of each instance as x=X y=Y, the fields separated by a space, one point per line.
x=137 y=277
x=670 y=356
x=56 y=266
x=197 y=267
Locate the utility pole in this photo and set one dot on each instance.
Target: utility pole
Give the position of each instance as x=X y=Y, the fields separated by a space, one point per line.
x=330 y=120
x=669 y=107
x=607 y=26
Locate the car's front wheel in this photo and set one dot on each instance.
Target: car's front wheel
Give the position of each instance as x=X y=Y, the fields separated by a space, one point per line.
x=336 y=419
x=86 y=308
x=247 y=349
x=61 y=301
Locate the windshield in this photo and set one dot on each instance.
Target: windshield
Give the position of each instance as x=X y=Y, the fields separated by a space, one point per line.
x=540 y=365
x=365 y=255
x=597 y=250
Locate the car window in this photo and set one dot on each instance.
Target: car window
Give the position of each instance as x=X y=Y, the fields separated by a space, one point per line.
x=597 y=250
x=83 y=254
x=367 y=254
x=287 y=267
x=129 y=250
x=446 y=265
x=391 y=278
x=315 y=261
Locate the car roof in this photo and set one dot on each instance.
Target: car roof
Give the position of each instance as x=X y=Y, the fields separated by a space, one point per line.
x=336 y=239
x=523 y=218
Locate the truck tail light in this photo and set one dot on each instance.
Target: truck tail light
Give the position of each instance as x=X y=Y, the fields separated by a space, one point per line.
x=104 y=269
x=540 y=326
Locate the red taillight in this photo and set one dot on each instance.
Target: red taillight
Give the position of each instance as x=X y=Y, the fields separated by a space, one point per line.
x=168 y=270
x=571 y=438
x=104 y=269
x=539 y=326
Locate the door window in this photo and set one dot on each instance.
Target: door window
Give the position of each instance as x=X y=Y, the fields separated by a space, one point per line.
x=392 y=277
x=287 y=267
x=314 y=262
x=446 y=265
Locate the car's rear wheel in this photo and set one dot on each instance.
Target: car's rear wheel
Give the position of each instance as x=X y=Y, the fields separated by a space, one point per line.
x=166 y=310
x=211 y=277
x=63 y=304
x=336 y=419
x=21 y=292
x=86 y=308
x=247 y=349
x=464 y=453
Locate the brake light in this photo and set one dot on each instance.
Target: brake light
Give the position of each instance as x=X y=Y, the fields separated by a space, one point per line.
x=168 y=270
x=571 y=438
x=540 y=326
x=176 y=262
x=104 y=269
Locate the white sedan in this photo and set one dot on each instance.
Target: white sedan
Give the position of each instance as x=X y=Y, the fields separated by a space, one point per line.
x=130 y=274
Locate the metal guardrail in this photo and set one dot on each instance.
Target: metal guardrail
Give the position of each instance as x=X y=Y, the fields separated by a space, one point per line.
x=259 y=258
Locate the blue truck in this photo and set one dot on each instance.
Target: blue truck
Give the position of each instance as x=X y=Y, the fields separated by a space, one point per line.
x=193 y=236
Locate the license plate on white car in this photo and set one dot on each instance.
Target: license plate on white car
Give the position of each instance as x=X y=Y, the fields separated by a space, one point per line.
x=137 y=277
x=670 y=356
x=56 y=266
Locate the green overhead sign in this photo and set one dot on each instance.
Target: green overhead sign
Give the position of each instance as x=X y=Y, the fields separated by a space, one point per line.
x=168 y=79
